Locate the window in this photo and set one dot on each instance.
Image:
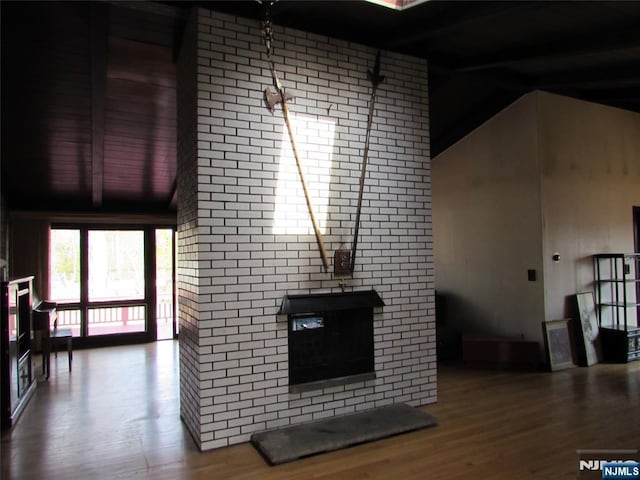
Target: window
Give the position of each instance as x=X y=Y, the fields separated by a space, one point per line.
x=116 y=265
x=64 y=276
x=64 y=272
x=101 y=278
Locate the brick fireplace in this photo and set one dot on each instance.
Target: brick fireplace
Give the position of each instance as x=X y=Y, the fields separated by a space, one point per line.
x=330 y=339
x=246 y=242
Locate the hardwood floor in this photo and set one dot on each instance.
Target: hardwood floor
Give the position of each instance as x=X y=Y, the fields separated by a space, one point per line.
x=117 y=416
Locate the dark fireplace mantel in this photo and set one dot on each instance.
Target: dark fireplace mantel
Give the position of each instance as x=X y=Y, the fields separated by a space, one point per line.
x=329 y=302
x=330 y=337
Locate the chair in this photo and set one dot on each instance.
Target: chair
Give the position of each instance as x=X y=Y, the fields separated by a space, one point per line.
x=60 y=335
x=51 y=337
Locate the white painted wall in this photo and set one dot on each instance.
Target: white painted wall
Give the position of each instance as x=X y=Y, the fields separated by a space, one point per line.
x=487 y=227
x=548 y=174
x=590 y=171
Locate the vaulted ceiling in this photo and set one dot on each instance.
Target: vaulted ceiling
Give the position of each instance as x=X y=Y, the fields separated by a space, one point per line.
x=89 y=88
x=88 y=108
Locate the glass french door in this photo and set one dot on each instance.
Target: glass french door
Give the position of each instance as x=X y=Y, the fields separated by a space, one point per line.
x=166 y=326
x=65 y=277
x=116 y=282
x=113 y=282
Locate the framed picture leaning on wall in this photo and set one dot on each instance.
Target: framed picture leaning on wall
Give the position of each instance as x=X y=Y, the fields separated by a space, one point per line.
x=589 y=330
x=557 y=344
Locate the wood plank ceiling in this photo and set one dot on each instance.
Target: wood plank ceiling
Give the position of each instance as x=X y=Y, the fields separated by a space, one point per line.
x=88 y=107
x=89 y=88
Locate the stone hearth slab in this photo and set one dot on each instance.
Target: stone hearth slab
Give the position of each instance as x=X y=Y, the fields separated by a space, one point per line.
x=292 y=443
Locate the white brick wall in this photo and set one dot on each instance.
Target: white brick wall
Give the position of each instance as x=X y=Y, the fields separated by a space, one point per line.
x=188 y=282
x=251 y=241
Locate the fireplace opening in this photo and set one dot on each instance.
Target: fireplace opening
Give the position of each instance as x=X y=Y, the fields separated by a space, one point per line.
x=330 y=336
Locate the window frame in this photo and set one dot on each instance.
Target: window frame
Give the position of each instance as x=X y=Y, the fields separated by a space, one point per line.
x=148 y=301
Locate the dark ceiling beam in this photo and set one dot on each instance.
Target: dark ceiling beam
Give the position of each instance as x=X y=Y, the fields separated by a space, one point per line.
x=625 y=98
x=556 y=51
x=154 y=24
x=630 y=104
x=156 y=8
x=592 y=79
x=454 y=20
x=98 y=32
x=615 y=95
x=501 y=79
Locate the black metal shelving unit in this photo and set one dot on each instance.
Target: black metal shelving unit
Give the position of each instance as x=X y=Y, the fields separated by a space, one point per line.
x=617 y=287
